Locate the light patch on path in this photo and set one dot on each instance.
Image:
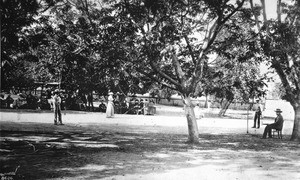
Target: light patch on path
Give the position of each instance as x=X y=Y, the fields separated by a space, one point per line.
x=28 y=138
x=96 y=145
x=221 y=164
x=158 y=155
x=82 y=144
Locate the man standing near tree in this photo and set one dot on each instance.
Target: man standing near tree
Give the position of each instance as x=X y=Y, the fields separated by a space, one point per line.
x=57 y=107
x=257 y=114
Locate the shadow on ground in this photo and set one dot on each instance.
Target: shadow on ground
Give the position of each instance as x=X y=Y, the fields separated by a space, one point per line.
x=80 y=153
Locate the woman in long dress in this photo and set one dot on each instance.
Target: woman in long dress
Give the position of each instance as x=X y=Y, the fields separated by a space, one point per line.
x=110 y=106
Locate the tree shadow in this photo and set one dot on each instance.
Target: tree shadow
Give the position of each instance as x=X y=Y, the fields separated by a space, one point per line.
x=88 y=154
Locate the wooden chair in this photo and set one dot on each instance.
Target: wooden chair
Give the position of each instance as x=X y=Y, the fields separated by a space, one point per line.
x=279 y=133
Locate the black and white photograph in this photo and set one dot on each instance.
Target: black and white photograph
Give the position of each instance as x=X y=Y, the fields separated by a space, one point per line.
x=150 y=90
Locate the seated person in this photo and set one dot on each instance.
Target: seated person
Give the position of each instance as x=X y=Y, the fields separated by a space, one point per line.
x=102 y=107
x=141 y=107
x=136 y=106
x=151 y=102
x=2 y=101
x=151 y=110
x=277 y=125
x=131 y=107
x=117 y=106
x=9 y=101
x=124 y=107
x=79 y=103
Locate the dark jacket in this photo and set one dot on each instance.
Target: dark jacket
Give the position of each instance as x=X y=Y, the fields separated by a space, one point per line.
x=278 y=122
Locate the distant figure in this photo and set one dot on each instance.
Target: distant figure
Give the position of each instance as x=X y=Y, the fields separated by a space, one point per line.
x=9 y=101
x=2 y=101
x=57 y=107
x=50 y=98
x=151 y=102
x=127 y=99
x=90 y=102
x=39 y=103
x=141 y=110
x=84 y=102
x=136 y=106
x=124 y=107
x=257 y=115
x=31 y=101
x=102 y=107
x=277 y=125
x=197 y=111
x=117 y=107
x=110 y=106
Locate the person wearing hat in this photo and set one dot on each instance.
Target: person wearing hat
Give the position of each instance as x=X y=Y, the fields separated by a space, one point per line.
x=110 y=106
x=57 y=107
x=276 y=125
x=257 y=115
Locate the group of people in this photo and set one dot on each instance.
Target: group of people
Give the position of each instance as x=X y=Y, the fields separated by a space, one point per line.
x=277 y=125
x=127 y=106
x=140 y=107
x=21 y=101
x=6 y=102
x=56 y=105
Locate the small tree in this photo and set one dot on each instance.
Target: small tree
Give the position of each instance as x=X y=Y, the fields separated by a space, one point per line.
x=170 y=40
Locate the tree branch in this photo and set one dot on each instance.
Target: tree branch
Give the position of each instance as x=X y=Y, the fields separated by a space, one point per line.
x=279 y=11
x=167 y=77
x=284 y=81
x=190 y=49
x=264 y=11
x=153 y=65
x=255 y=16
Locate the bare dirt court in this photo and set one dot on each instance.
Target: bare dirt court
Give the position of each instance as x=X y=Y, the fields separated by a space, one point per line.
x=90 y=146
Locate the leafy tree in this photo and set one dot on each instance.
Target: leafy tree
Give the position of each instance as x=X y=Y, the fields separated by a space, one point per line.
x=279 y=39
x=81 y=50
x=235 y=72
x=16 y=15
x=169 y=42
x=234 y=80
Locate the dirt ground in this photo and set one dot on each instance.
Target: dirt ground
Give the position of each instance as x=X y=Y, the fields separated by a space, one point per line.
x=90 y=146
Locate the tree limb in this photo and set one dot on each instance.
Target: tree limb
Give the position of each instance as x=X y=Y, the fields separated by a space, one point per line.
x=284 y=81
x=255 y=16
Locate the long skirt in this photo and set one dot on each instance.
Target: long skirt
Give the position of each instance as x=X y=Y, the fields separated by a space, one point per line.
x=110 y=110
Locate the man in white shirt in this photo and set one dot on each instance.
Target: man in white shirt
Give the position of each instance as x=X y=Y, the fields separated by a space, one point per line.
x=257 y=115
x=57 y=107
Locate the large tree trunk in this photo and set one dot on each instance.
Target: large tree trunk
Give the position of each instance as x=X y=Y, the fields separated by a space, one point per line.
x=224 y=107
x=191 y=120
x=296 y=128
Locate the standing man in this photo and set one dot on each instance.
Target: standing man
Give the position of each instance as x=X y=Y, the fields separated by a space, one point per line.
x=257 y=115
x=90 y=101
x=57 y=107
x=276 y=125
